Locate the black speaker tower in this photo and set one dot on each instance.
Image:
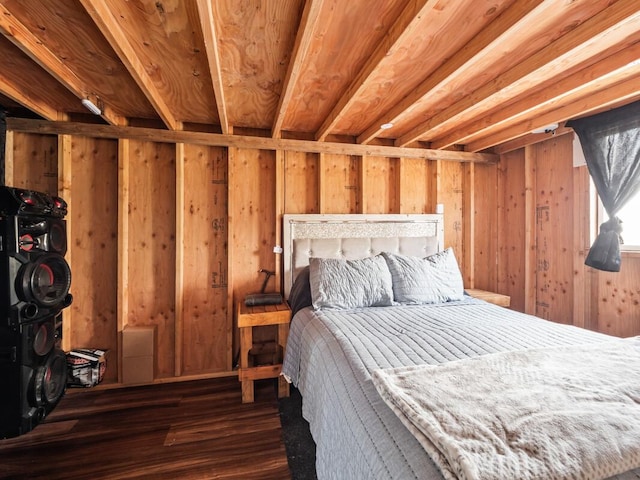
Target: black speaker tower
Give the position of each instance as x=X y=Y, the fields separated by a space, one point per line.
x=34 y=288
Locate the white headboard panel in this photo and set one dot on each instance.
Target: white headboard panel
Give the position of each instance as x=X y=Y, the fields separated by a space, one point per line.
x=352 y=236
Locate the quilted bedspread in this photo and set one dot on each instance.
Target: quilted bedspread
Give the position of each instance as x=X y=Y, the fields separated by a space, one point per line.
x=331 y=355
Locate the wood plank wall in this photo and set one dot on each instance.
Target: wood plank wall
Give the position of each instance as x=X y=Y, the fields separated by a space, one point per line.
x=543 y=208
x=91 y=189
x=512 y=205
x=205 y=330
x=173 y=235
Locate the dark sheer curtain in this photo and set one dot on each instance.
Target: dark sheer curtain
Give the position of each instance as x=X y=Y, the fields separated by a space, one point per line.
x=611 y=145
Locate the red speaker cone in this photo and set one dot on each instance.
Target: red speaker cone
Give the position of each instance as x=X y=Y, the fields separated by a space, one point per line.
x=43 y=337
x=45 y=281
x=57 y=238
x=50 y=379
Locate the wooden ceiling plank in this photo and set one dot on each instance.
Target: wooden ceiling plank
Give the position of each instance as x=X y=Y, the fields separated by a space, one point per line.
x=512 y=20
x=614 y=69
x=15 y=93
x=240 y=141
x=608 y=97
x=308 y=22
x=403 y=29
x=110 y=28
x=207 y=24
x=598 y=33
x=21 y=37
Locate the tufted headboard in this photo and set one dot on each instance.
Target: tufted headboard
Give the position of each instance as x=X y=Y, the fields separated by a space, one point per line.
x=353 y=236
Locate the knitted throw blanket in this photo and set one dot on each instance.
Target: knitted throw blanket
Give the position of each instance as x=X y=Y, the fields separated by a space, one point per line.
x=552 y=413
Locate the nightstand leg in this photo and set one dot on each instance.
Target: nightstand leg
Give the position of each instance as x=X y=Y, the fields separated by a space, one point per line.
x=283 y=335
x=283 y=387
x=246 y=343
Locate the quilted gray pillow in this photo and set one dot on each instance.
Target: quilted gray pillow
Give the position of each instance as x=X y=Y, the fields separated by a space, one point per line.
x=337 y=283
x=433 y=279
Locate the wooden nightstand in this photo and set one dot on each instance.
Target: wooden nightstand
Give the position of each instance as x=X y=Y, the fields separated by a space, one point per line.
x=259 y=316
x=491 y=297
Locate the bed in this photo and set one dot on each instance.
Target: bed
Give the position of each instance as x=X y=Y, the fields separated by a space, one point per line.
x=343 y=358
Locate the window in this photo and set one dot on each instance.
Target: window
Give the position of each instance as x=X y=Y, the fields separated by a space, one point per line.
x=630 y=216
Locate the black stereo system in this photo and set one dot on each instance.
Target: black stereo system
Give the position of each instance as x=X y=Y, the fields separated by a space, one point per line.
x=34 y=288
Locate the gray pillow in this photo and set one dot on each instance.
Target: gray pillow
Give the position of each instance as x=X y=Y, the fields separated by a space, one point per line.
x=346 y=284
x=433 y=279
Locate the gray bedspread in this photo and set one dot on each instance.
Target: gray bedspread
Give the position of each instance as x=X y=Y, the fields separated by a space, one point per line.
x=332 y=353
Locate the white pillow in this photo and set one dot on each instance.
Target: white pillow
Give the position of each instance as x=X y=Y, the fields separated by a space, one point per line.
x=433 y=279
x=346 y=284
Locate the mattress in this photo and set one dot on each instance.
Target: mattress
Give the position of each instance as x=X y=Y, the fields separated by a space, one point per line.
x=332 y=353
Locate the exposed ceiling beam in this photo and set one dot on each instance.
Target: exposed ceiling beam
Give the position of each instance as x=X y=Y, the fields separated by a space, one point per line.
x=609 y=27
x=15 y=93
x=207 y=23
x=614 y=69
x=624 y=92
x=531 y=139
x=240 y=141
x=402 y=30
x=104 y=18
x=26 y=41
x=470 y=56
x=308 y=22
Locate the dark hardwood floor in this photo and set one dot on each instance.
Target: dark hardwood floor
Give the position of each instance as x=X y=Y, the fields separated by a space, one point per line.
x=188 y=430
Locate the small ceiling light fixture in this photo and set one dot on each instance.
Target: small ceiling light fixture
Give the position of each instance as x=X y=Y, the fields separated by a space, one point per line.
x=548 y=129
x=386 y=126
x=89 y=105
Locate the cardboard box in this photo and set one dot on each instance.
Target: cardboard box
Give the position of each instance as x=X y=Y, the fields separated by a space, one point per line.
x=138 y=354
x=137 y=370
x=85 y=367
x=138 y=341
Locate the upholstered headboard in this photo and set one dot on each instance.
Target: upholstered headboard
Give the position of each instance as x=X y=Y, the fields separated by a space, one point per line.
x=353 y=236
